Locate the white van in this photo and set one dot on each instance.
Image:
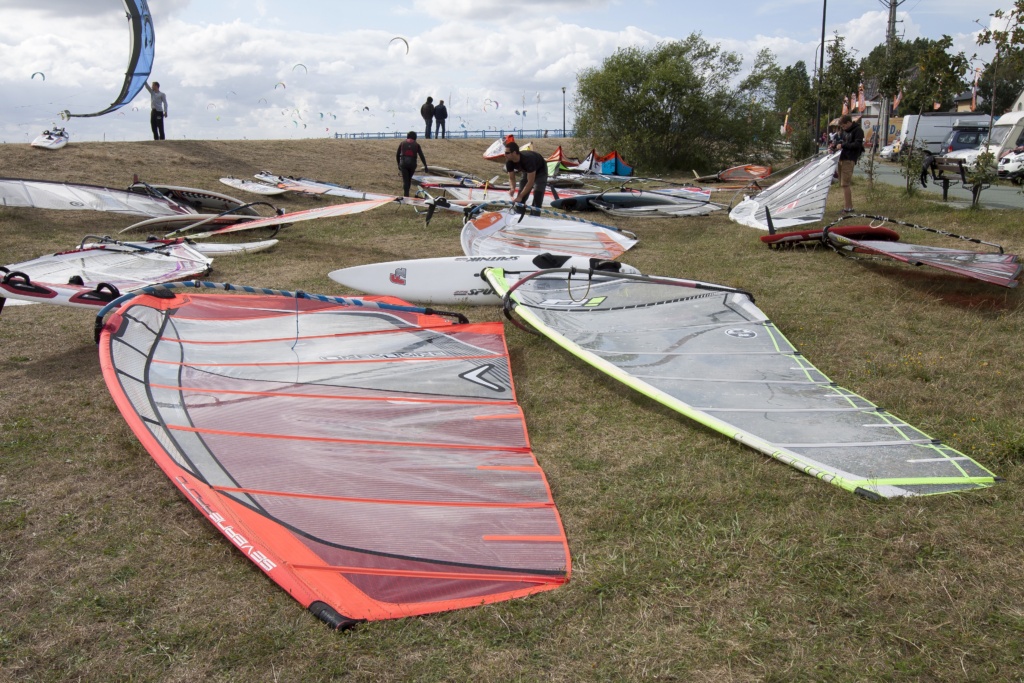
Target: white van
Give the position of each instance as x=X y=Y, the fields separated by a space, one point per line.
x=933 y=128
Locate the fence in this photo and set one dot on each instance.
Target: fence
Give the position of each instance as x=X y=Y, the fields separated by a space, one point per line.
x=461 y=134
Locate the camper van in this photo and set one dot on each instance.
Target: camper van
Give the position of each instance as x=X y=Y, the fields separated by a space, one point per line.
x=933 y=128
x=1007 y=134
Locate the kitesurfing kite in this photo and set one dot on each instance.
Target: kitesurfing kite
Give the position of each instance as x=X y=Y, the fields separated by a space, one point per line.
x=406 y=42
x=368 y=456
x=140 y=63
x=39 y=73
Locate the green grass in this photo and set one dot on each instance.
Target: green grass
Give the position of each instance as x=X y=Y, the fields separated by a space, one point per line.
x=694 y=558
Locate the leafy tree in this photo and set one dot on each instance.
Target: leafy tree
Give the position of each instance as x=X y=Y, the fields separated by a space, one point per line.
x=1003 y=78
x=897 y=73
x=839 y=79
x=674 y=107
x=940 y=74
x=793 y=93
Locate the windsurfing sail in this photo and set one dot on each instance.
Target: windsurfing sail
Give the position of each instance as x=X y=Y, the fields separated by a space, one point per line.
x=640 y=204
x=98 y=271
x=795 y=200
x=708 y=352
x=253 y=186
x=205 y=201
x=744 y=173
x=140 y=60
x=43 y=194
x=509 y=232
x=319 y=187
x=996 y=267
x=368 y=456
x=282 y=220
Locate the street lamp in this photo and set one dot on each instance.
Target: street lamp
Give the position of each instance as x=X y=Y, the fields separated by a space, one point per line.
x=563 y=111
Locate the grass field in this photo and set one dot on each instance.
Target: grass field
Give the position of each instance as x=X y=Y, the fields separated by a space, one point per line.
x=694 y=558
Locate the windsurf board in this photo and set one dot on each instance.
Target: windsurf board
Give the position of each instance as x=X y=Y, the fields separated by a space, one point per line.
x=456 y=279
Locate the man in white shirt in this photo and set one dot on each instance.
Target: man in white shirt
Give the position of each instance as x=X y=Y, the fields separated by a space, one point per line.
x=158 y=106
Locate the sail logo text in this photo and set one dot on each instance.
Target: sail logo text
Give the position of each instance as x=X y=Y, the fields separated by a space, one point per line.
x=388 y=356
x=741 y=333
x=261 y=560
x=570 y=303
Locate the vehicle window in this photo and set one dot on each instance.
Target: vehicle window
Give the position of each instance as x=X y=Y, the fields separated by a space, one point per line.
x=1020 y=139
x=999 y=134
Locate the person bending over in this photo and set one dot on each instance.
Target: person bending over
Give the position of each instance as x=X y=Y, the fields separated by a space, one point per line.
x=534 y=168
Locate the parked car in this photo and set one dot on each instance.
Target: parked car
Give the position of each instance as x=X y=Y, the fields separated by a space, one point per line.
x=890 y=152
x=967 y=137
x=1011 y=166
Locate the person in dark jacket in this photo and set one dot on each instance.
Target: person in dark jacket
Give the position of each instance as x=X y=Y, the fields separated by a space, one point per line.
x=406 y=158
x=427 y=112
x=440 y=114
x=850 y=146
x=534 y=168
x=928 y=166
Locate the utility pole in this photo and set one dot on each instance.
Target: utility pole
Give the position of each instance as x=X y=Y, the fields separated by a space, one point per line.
x=821 y=73
x=882 y=137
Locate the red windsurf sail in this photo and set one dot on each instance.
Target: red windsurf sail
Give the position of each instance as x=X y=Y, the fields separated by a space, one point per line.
x=369 y=457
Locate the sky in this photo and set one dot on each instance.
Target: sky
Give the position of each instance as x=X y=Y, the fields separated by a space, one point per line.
x=277 y=69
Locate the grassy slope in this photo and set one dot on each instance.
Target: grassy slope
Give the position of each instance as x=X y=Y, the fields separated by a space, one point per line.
x=694 y=558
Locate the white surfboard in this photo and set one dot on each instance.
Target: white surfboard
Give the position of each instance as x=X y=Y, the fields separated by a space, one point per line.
x=51 y=139
x=453 y=279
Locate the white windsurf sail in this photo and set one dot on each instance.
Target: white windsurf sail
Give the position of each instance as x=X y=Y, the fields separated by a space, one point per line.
x=498 y=233
x=95 y=273
x=708 y=352
x=43 y=194
x=795 y=200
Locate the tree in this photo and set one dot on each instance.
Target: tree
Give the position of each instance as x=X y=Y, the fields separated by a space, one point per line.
x=839 y=79
x=940 y=75
x=1003 y=78
x=793 y=94
x=674 y=108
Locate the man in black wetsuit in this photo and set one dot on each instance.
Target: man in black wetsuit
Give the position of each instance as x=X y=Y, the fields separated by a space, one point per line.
x=535 y=173
x=406 y=158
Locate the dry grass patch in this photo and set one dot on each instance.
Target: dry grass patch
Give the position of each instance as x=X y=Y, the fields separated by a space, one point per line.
x=695 y=559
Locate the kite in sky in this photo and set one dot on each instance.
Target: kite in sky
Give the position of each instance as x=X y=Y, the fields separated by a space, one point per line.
x=140 y=64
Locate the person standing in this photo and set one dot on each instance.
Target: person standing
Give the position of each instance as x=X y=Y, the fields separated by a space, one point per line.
x=406 y=158
x=850 y=145
x=440 y=114
x=158 y=110
x=427 y=112
x=534 y=168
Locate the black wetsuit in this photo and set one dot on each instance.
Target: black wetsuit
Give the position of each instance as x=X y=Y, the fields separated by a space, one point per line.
x=406 y=158
x=531 y=162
